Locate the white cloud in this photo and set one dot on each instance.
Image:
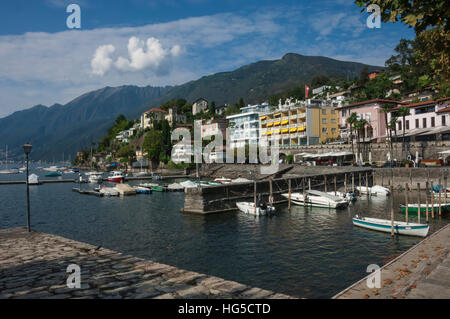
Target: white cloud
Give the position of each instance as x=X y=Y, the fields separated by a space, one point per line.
x=102 y=61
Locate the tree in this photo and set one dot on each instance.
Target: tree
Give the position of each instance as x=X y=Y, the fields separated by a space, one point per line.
x=319 y=80
x=403 y=112
x=386 y=109
x=378 y=87
x=153 y=145
x=363 y=76
x=212 y=108
x=351 y=120
x=359 y=126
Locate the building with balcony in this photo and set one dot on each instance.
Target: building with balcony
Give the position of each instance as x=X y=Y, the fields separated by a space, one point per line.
x=151 y=115
x=328 y=124
x=293 y=126
x=214 y=126
x=245 y=126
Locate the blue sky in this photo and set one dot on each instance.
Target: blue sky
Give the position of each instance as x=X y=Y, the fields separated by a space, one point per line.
x=169 y=42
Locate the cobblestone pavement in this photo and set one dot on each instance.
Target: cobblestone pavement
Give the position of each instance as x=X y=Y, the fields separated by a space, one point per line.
x=421 y=272
x=33 y=265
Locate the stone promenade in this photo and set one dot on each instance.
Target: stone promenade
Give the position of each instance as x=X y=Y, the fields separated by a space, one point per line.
x=423 y=272
x=33 y=265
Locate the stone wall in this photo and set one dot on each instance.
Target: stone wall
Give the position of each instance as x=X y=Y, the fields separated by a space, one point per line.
x=400 y=175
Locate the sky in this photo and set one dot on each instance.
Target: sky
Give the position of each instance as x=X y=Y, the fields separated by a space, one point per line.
x=169 y=42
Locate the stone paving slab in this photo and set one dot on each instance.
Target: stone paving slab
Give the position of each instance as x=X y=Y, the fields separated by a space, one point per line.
x=421 y=272
x=33 y=266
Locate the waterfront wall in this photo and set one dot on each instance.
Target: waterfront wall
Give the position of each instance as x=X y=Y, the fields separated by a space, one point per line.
x=398 y=176
x=223 y=198
x=379 y=151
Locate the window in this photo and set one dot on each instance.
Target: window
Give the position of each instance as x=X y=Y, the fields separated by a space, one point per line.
x=324 y=129
x=324 y=121
x=417 y=123
x=399 y=126
x=333 y=130
x=424 y=121
x=432 y=122
x=324 y=112
x=333 y=111
x=443 y=120
x=344 y=113
x=407 y=124
x=333 y=120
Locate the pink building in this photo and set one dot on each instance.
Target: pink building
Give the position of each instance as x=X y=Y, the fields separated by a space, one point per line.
x=372 y=112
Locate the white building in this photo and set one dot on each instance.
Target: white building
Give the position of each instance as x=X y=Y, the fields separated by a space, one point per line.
x=199 y=105
x=245 y=126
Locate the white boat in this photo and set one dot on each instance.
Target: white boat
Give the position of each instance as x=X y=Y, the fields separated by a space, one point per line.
x=141 y=174
x=349 y=197
x=95 y=178
x=142 y=190
x=33 y=179
x=241 y=180
x=385 y=225
x=249 y=208
x=317 y=199
x=223 y=180
x=52 y=169
x=374 y=190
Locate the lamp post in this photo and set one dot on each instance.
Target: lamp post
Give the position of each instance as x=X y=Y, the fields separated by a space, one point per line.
x=27 y=149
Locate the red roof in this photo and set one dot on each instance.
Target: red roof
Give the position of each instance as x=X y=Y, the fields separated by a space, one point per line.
x=447 y=109
x=156 y=110
x=370 y=102
x=416 y=104
x=443 y=99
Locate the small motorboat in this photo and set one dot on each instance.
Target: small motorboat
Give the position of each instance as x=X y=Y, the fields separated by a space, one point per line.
x=223 y=180
x=116 y=177
x=53 y=174
x=374 y=190
x=241 y=180
x=142 y=190
x=95 y=178
x=414 y=208
x=385 y=225
x=141 y=174
x=153 y=187
x=175 y=187
x=317 y=199
x=261 y=209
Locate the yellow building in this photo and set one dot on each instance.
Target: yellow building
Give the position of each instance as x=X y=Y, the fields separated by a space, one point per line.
x=328 y=124
x=294 y=126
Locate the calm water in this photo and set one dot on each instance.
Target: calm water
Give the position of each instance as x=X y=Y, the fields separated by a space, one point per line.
x=312 y=254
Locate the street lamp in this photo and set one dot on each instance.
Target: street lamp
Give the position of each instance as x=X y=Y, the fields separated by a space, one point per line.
x=27 y=150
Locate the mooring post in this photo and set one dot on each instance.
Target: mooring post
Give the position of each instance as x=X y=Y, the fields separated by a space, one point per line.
x=406 y=201
x=392 y=211
x=309 y=183
x=367 y=185
x=418 y=203
x=426 y=201
x=289 y=201
x=254 y=196
x=410 y=175
x=445 y=188
x=345 y=183
x=325 y=182
x=382 y=179
x=270 y=192
x=335 y=186
x=353 y=182
x=304 y=194
x=440 y=209
x=360 y=188
x=432 y=199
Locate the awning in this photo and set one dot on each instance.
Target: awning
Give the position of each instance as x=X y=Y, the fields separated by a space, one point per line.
x=292 y=130
x=269 y=133
x=263 y=117
x=284 y=122
x=301 y=129
x=277 y=114
x=276 y=132
x=437 y=130
x=445 y=152
x=263 y=133
x=270 y=124
x=277 y=123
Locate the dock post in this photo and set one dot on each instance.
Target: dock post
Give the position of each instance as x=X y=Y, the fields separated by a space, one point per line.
x=270 y=192
x=426 y=201
x=353 y=182
x=410 y=175
x=309 y=183
x=289 y=201
x=345 y=183
x=440 y=204
x=254 y=196
x=406 y=201
x=418 y=203
x=304 y=193
x=325 y=182
x=382 y=180
x=445 y=189
x=432 y=199
x=392 y=212
x=360 y=188
x=335 y=187
x=367 y=185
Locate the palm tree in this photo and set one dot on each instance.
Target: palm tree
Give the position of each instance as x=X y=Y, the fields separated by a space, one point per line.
x=352 y=120
x=392 y=127
x=386 y=109
x=359 y=126
x=403 y=112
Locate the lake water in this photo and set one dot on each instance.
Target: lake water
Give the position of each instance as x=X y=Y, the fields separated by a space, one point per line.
x=313 y=253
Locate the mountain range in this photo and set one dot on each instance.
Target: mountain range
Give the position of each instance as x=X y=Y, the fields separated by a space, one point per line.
x=62 y=130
